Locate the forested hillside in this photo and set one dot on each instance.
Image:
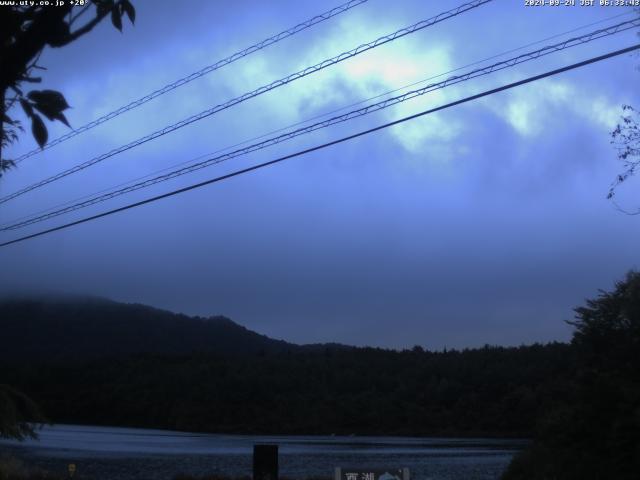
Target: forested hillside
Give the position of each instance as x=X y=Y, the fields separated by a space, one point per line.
x=490 y=391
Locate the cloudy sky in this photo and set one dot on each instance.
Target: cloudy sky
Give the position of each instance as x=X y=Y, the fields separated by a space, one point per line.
x=482 y=223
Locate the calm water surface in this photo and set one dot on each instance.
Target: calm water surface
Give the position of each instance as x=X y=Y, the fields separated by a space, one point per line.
x=105 y=453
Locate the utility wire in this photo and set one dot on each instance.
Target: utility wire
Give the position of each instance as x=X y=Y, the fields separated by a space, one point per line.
x=265 y=88
x=204 y=71
x=328 y=144
x=605 y=32
x=315 y=117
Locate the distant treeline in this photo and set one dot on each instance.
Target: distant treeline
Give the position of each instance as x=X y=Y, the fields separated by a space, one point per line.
x=489 y=391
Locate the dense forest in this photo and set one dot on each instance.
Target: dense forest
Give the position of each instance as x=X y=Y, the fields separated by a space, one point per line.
x=488 y=391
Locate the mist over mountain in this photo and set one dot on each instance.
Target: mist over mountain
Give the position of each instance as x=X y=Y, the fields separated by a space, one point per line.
x=82 y=327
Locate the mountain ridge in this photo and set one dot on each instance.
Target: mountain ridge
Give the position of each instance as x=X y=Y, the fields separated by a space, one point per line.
x=85 y=327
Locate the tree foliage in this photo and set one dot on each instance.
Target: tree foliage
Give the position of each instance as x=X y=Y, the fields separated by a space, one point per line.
x=24 y=33
x=596 y=433
x=626 y=138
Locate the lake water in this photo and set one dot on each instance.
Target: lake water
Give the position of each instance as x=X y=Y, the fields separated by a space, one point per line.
x=110 y=453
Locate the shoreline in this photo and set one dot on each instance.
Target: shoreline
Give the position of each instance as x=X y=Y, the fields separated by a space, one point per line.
x=243 y=433
x=142 y=455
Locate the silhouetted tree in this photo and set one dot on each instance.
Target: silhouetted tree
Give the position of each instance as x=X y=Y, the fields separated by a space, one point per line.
x=19 y=415
x=595 y=433
x=24 y=32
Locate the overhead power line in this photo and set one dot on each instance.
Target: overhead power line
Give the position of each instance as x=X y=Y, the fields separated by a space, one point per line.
x=328 y=144
x=265 y=88
x=195 y=75
x=572 y=42
x=307 y=120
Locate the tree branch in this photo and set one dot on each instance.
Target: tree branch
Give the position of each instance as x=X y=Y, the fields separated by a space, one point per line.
x=622 y=210
x=84 y=30
x=79 y=14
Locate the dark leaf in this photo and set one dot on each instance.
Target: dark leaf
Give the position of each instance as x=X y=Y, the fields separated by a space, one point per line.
x=63 y=119
x=103 y=6
x=128 y=8
x=6 y=165
x=26 y=106
x=46 y=111
x=39 y=130
x=100 y=10
x=116 y=18
x=49 y=97
x=50 y=103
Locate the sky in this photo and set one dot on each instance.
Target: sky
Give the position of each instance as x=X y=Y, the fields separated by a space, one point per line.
x=485 y=223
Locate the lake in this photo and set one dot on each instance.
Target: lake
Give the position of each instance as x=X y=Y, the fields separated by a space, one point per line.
x=111 y=453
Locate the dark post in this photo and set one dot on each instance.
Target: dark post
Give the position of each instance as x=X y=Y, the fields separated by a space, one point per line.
x=265 y=462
